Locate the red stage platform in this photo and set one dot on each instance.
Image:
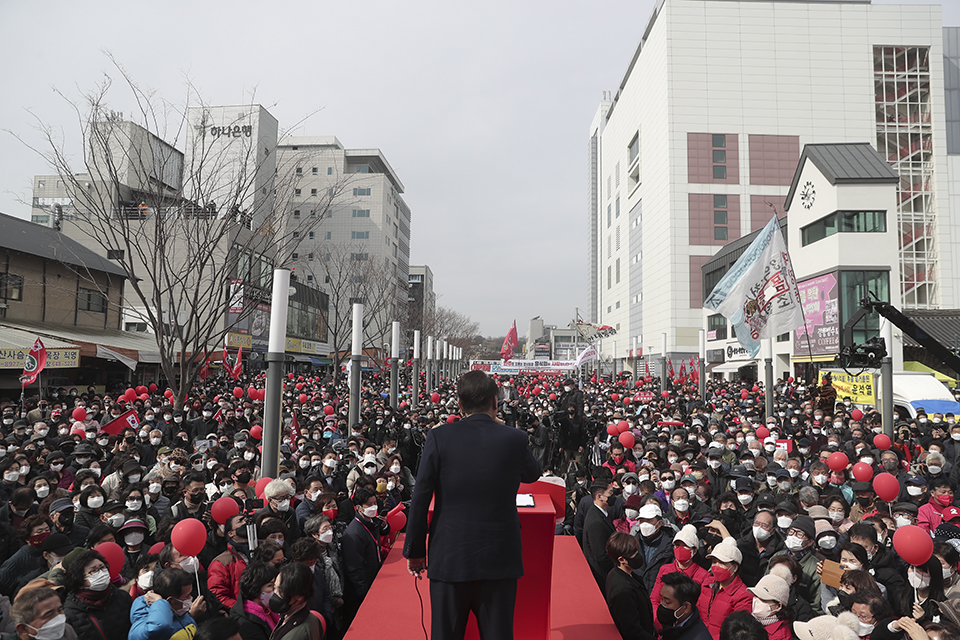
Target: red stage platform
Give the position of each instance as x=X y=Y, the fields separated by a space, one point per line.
x=578 y=611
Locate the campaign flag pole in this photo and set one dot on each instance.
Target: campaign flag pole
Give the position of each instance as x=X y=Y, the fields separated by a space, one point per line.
x=663 y=361
x=429 y=379
x=394 y=363
x=702 y=368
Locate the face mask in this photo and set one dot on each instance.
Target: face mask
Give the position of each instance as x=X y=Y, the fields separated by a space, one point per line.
x=721 y=574
x=745 y=498
x=771 y=481
x=667 y=617
x=630 y=489
x=57 y=467
x=184 y=606
x=836 y=516
x=145 y=581
x=11 y=476
x=115 y=520
x=248 y=455
x=647 y=529
x=326 y=537
x=95 y=502
x=785 y=485
x=672 y=459
x=133 y=539
x=134 y=478
x=820 y=479
x=761 y=609
x=902 y=521
x=42 y=492
x=784 y=522
x=391 y=486
x=669 y=485
x=278 y=604
x=682 y=554
x=154 y=487
x=190 y=565
x=945 y=499
x=794 y=543
x=134 y=505
x=99 y=581
x=174 y=466
x=331 y=464
x=52 y=630
x=916 y=580
x=914 y=490
x=934 y=470
x=713 y=464
x=370 y=511
x=331 y=513
x=155 y=441
x=681 y=505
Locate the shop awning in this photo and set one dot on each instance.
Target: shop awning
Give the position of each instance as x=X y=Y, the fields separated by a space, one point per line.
x=827 y=358
x=913 y=365
x=140 y=347
x=730 y=367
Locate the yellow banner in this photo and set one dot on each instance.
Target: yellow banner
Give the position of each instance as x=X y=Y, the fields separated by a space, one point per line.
x=293 y=345
x=56 y=358
x=241 y=340
x=859 y=388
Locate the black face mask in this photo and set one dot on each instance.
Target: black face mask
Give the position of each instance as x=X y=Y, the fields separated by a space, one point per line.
x=729 y=513
x=636 y=562
x=667 y=617
x=66 y=519
x=169 y=491
x=243 y=477
x=864 y=501
x=846 y=600
x=278 y=604
x=195 y=498
x=710 y=539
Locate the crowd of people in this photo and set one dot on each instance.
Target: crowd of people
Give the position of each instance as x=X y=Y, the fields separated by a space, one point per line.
x=695 y=515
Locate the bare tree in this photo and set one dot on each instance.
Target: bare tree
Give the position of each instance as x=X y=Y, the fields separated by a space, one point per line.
x=195 y=233
x=458 y=329
x=349 y=275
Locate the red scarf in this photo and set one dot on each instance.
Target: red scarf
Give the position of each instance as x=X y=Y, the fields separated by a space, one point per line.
x=93 y=598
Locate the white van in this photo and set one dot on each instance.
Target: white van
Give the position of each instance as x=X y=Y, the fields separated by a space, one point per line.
x=913 y=390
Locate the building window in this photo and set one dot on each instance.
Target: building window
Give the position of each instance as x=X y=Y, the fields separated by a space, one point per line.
x=296 y=192
x=299 y=171
x=359 y=256
x=633 y=151
x=618 y=270
x=360 y=300
x=618 y=304
x=314 y=171
x=617 y=207
x=140 y=327
x=719 y=172
x=361 y=191
x=312 y=235
x=309 y=278
x=609 y=215
x=854 y=287
x=719 y=217
x=719 y=156
x=362 y=168
x=11 y=287
x=609 y=276
x=115 y=254
x=784 y=337
x=329 y=171
x=719 y=233
x=296 y=213
x=719 y=140
x=310 y=257
x=91 y=300
x=294 y=255
x=361 y=213
x=329 y=235
x=720 y=201
x=313 y=192
x=844 y=222
x=359 y=235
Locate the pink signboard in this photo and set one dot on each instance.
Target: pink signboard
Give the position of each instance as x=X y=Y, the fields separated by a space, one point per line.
x=820 y=335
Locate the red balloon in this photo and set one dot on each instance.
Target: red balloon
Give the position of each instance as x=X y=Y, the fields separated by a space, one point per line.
x=434 y=397
x=189 y=536
x=79 y=414
x=536 y=391
x=665 y=393
x=648 y=379
x=144 y=396
x=130 y=394
x=256 y=432
x=864 y=472
x=744 y=394
x=638 y=383
x=261 y=484
x=593 y=379
x=612 y=429
x=838 y=461
x=857 y=415
x=881 y=441
x=763 y=432
x=153 y=388
x=290 y=376
x=303 y=398
x=328 y=410
x=614 y=397
x=169 y=394
x=452 y=418
x=552 y=396
x=623 y=426
x=79 y=431
x=756 y=388
x=913 y=544
x=886 y=487
x=237 y=392
x=790 y=379
x=627 y=439
x=141 y=390
x=156 y=548
x=298 y=386
x=113 y=554
x=223 y=509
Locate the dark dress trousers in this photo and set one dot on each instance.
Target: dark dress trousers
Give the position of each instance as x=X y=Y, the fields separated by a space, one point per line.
x=472 y=470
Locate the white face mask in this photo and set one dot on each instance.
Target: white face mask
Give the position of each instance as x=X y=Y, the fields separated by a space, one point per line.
x=630 y=489
x=745 y=498
x=914 y=490
x=99 y=581
x=133 y=539
x=184 y=606
x=784 y=522
x=134 y=505
x=785 y=485
x=761 y=534
x=327 y=536
x=934 y=469
x=283 y=505
x=42 y=492
x=761 y=609
x=647 y=529
x=794 y=543
x=331 y=464
x=865 y=629
x=370 y=511
x=867 y=460
x=681 y=505
x=95 y=502
x=917 y=580
x=395 y=468
x=190 y=565
x=115 y=520
x=827 y=543
x=820 y=478
x=391 y=486
x=145 y=581
x=901 y=521
x=669 y=485
x=713 y=464
x=631 y=513
x=51 y=630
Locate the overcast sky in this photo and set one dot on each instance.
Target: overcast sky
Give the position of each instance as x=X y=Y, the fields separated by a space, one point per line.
x=482 y=110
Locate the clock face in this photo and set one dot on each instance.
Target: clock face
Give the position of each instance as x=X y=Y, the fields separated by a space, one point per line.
x=808 y=195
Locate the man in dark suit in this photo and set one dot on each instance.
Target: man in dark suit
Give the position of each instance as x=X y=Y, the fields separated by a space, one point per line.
x=473 y=469
x=597 y=528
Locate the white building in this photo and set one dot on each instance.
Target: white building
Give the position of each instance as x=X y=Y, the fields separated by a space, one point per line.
x=700 y=142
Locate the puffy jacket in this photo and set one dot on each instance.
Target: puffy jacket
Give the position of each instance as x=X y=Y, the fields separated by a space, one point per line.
x=930 y=515
x=716 y=602
x=23 y=562
x=659 y=556
x=779 y=630
x=808 y=584
x=223 y=576
x=695 y=571
x=158 y=621
x=110 y=622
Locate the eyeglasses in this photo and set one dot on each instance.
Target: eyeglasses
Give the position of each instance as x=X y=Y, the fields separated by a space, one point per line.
x=797 y=532
x=96 y=569
x=763 y=525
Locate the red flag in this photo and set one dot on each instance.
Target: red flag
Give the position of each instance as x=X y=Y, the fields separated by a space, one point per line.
x=218 y=416
x=510 y=343
x=670 y=368
x=205 y=367
x=128 y=419
x=294 y=430
x=34 y=364
x=683 y=369
x=646 y=369
x=237 y=369
x=226 y=360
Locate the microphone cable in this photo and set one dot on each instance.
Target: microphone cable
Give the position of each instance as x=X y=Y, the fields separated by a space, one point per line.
x=416 y=583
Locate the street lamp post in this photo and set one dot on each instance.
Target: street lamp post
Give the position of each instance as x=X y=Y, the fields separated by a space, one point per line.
x=276 y=347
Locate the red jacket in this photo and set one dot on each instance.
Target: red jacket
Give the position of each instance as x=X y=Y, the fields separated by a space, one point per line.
x=223 y=576
x=779 y=631
x=930 y=515
x=716 y=604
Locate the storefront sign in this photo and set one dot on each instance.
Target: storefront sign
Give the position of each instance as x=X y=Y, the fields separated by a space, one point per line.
x=67 y=358
x=859 y=388
x=820 y=336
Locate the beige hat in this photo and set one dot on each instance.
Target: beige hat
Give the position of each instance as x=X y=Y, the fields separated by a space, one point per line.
x=843 y=627
x=771 y=588
x=818 y=512
x=727 y=552
x=688 y=536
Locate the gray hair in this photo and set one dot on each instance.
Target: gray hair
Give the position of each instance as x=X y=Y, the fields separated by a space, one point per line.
x=808 y=495
x=24 y=609
x=277 y=489
x=312 y=526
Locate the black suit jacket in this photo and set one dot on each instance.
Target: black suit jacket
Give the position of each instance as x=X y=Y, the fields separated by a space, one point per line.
x=629 y=604
x=472 y=469
x=597 y=528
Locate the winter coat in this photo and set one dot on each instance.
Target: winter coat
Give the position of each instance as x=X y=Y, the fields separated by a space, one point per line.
x=252 y=626
x=223 y=576
x=23 y=562
x=697 y=573
x=658 y=556
x=930 y=515
x=716 y=602
x=360 y=551
x=779 y=630
x=110 y=622
x=629 y=607
x=808 y=584
x=301 y=625
x=158 y=621
x=754 y=565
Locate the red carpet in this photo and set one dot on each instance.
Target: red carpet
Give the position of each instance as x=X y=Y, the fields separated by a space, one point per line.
x=578 y=611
